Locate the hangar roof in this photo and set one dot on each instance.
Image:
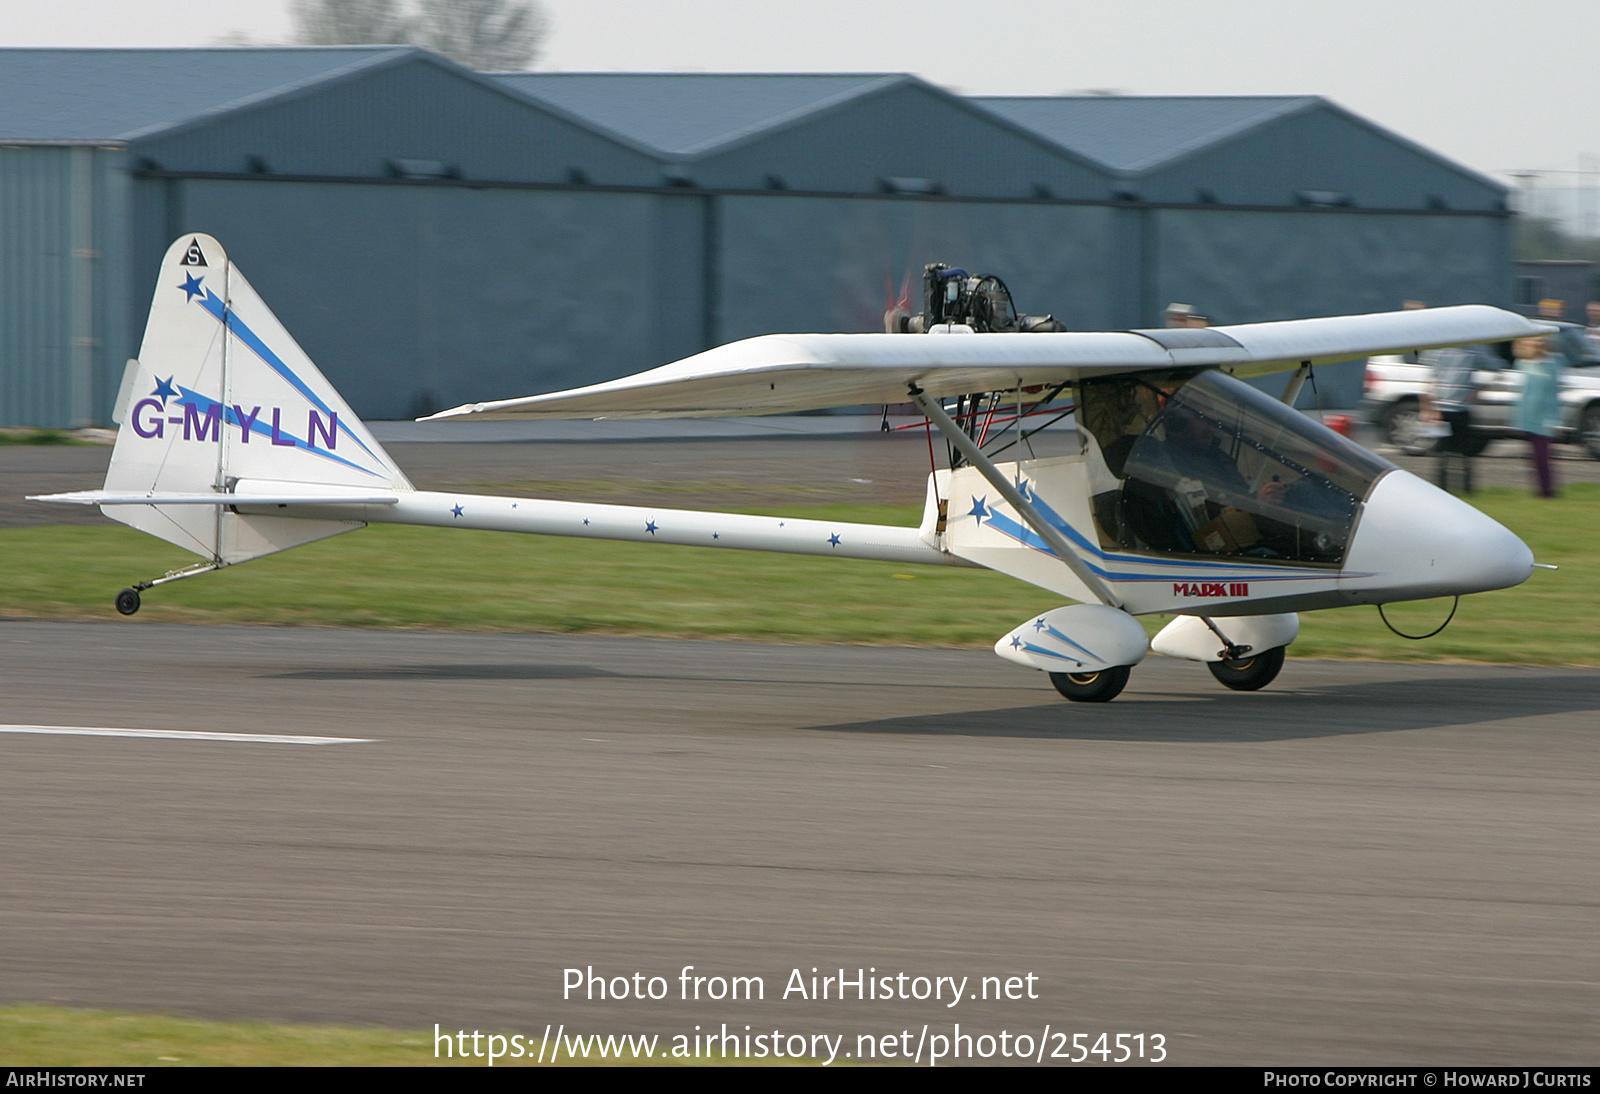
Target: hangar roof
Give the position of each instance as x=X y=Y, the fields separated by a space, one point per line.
x=823 y=132
x=119 y=94
x=685 y=114
x=1136 y=133
x=1266 y=150
x=202 y=109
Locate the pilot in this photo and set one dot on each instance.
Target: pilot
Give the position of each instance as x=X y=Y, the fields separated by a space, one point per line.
x=1193 y=448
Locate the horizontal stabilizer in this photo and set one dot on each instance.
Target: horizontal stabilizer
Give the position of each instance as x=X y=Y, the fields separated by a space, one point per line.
x=107 y=497
x=785 y=373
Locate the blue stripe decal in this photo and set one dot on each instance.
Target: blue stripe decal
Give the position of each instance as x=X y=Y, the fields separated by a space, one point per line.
x=1025 y=535
x=1063 y=638
x=213 y=304
x=204 y=405
x=1031 y=648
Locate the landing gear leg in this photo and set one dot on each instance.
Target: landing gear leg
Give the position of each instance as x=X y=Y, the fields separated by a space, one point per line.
x=1092 y=687
x=128 y=599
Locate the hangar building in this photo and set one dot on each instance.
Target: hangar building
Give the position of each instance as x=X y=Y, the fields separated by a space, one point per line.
x=433 y=235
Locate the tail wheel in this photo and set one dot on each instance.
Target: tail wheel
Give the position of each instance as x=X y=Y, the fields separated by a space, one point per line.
x=128 y=601
x=1092 y=687
x=1251 y=673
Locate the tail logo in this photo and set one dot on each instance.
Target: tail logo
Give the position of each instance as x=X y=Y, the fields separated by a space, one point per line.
x=193 y=256
x=202 y=419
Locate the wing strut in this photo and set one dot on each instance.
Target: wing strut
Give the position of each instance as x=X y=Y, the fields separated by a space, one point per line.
x=1058 y=543
x=1296 y=382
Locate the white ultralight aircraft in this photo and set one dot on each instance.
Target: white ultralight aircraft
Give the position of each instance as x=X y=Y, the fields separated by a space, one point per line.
x=1192 y=494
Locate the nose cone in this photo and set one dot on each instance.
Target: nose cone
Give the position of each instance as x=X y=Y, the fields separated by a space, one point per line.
x=1415 y=541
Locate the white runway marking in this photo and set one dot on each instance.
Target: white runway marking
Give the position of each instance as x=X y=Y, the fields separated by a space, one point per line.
x=185 y=735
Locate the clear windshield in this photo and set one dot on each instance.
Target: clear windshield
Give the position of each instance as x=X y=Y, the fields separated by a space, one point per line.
x=1207 y=465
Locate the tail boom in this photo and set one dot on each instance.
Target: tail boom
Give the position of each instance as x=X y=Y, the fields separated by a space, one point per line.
x=681 y=527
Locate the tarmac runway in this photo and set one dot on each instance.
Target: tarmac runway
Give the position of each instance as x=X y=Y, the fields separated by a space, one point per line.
x=1365 y=864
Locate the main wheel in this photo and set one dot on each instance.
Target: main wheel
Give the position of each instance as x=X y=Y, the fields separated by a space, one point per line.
x=1092 y=687
x=1251 y=673
x=128 y=601
x=1402 y=427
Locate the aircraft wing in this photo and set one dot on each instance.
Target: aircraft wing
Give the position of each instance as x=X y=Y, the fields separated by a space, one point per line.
x=782 y=373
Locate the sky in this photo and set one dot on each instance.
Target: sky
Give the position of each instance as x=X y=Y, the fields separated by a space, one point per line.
x=1496 y=85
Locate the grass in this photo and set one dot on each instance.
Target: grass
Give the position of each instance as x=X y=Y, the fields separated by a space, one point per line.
x=37 y=436
x=418 y=577
x=37 y=1036
x=396 y=576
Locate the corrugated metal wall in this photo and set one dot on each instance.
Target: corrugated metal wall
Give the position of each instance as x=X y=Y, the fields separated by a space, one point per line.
x=1247 y=267
x=791 y=263
x=62 y=311
x=414 y=298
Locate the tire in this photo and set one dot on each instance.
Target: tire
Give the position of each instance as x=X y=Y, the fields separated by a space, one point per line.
x=1589 y=430
x=1092 y=687
x=128 y=601
x=1251 y=674
x=1401 y=424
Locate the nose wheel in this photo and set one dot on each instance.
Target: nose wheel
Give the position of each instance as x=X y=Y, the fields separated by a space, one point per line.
x=1249 y=673
x=1092 y=687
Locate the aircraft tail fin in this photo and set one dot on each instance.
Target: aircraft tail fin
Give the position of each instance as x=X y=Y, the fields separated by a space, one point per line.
x=221 y=392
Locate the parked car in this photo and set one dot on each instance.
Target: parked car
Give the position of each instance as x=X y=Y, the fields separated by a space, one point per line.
x=1394 y=387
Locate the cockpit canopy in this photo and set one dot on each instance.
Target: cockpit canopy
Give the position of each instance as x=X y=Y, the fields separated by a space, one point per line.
x=1188 y=463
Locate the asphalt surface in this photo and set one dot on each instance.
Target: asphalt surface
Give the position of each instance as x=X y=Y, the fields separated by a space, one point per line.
x=1365 y=864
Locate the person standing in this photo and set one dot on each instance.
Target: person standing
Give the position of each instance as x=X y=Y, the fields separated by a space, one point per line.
x=1452 y=392
x=1538 y=413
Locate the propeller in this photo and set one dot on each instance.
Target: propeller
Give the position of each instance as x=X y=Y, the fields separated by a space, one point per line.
x=897 y=310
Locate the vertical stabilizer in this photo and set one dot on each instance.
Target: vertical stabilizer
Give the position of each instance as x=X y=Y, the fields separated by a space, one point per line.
x=222 y=393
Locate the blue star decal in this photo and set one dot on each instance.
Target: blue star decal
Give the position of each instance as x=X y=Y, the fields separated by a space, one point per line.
x=457 y=510
x=1016 y=642
x=191 y=285
x=1025 y=488
x=513 y=505
x=650 y=526
x=586 y=522
x=716 y=535
x=834 y=539
x=164 y=391
x=980 y=508
x=1039 y=624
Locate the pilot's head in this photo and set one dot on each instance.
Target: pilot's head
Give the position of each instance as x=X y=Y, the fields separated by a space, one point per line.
x=1187 y=429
